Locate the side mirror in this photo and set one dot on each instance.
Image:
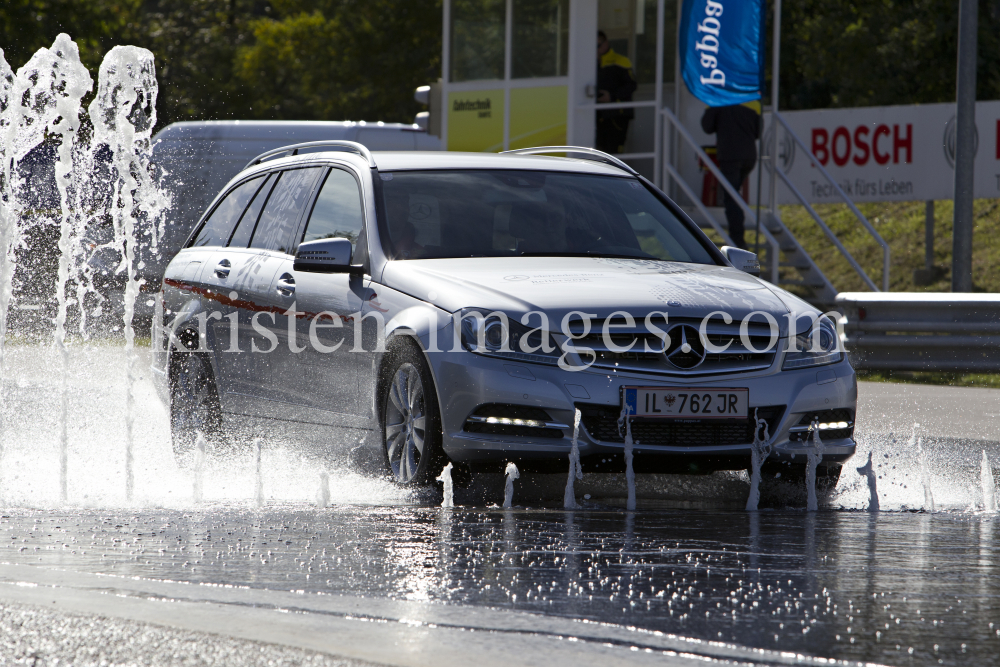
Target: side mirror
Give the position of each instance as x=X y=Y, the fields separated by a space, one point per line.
x=744 y=260
x=324 y=256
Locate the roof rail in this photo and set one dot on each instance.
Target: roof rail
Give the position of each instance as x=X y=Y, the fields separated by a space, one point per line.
x=590 y=153
x=349 y=146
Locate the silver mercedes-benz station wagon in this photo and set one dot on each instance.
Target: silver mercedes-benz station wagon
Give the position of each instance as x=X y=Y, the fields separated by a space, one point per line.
x=484 y=308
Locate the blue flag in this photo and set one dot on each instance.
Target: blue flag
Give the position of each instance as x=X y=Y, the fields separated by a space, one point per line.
x=722 y=50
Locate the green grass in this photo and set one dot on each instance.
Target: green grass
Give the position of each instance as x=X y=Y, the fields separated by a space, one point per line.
x=946 y=379
x=901 y=224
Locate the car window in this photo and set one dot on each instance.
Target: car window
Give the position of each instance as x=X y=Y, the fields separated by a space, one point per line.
x=337 y=212
x=244 y=230
x=280 y=219
x=500 y=213
x=220 y=223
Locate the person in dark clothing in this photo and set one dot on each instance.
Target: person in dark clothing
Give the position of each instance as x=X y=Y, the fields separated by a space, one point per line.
x=737 y=128
x=615 y=83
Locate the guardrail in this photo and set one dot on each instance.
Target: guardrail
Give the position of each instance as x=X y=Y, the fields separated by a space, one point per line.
x=847 y=200
x=914 y=331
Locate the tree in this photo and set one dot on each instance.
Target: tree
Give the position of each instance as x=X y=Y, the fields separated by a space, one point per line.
x=95 y=25
x=341 y=59
x=880 y=52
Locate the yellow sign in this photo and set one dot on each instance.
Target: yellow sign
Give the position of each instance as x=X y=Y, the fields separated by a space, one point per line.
x=538 y=117
x=475 y=121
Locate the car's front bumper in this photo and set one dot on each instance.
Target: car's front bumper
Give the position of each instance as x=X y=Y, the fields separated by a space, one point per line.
x=472 y=380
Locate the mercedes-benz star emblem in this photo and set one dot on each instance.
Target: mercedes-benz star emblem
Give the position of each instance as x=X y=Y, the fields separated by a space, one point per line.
x=686 y=351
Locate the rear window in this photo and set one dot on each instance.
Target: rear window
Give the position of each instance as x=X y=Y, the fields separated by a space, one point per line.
x=506 y=213
x=219 y=225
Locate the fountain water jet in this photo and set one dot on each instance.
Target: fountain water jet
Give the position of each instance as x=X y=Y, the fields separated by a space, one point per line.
x=760 y=449
x=323 y=495
x=124 y=113
x=199 y=467
x=575 y=471
x=989 y=486
x=449 y=489
x=868 y=471
x=512 y=473
x=629 y=472
x=813 y=457
x=258 y=495
x=925 y=479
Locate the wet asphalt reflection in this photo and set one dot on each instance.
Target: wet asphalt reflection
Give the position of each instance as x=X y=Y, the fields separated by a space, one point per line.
x=898 y=588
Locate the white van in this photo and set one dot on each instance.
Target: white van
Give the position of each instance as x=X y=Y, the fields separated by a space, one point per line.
x=199 y=157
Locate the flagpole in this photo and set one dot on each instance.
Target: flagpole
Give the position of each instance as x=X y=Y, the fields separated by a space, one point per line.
x=775 y=75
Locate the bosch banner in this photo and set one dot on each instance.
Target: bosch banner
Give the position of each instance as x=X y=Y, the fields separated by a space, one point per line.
x=721 y=49
x=898 y=153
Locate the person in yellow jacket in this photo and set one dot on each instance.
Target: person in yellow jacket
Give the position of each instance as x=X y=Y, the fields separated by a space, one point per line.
x=615 y=83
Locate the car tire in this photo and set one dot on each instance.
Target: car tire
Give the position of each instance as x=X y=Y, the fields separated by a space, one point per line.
x=409 y=417
x=194 y=403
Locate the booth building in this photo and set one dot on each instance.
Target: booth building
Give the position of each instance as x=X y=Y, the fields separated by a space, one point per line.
x=522 y=73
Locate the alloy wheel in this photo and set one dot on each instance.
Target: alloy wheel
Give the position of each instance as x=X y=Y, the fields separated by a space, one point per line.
x=405 y=423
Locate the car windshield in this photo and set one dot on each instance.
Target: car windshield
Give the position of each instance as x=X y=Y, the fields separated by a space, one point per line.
x=506 y=213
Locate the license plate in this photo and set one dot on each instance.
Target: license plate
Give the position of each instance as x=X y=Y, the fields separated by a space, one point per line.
x=687 y=402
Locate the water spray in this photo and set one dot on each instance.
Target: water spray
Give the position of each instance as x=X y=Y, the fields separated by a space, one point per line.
x=575 y=471
x=449 y=490
x=508 y=492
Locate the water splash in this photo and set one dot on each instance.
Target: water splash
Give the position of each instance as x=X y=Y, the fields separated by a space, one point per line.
x=508 y=492
x=575 y=470
x=258 y=494
x=448 y=500
x=868 y=472
x=199 y=467
x=814 y=455
x=760 y=449
x=124 y=113
x=323 y=495
x=989 y=486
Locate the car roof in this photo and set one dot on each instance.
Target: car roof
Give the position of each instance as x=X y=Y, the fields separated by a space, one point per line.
x=413 y=160
x=437 y=160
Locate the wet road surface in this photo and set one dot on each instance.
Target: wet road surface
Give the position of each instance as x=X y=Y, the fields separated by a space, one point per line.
x=905 y=586
x=896 y=588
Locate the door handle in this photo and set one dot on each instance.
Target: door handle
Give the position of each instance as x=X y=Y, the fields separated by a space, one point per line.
x=286 y=285
x=222 y=268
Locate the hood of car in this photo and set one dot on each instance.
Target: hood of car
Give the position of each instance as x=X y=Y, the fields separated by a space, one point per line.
x=599 y=286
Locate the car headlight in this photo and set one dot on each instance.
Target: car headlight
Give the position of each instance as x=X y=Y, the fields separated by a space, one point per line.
x=494 y=333
x=817 y=346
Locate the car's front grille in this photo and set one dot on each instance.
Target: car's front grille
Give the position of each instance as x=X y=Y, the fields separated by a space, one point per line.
x=828 y=421
x=727 y=350
x=601 y=423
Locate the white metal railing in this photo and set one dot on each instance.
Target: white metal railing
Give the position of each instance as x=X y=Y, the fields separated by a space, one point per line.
x=724 y=182
x=815 y=216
